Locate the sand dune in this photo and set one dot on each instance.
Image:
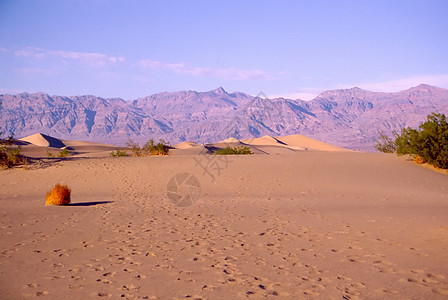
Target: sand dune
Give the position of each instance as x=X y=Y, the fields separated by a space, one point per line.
x=43 y=140
x=186 y=145
x=293 y=142
x=264 y=141
x=188 y=148
x=274 y=145
x=316 y=225
x=302 y=141
x=229 y=140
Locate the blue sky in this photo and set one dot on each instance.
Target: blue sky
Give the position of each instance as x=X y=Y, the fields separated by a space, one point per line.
x=295 y=49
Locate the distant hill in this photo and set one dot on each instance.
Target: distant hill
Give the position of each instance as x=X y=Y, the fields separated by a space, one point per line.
x=348 y=118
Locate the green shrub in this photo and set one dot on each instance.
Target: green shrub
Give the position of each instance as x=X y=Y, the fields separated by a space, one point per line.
x=10 y=157
x=385 y=144
x=233 y=151
x=118 y=153
x=150 y=148
x=429 y=142
x=64 y=153
x=162 y=148
x=134 y=147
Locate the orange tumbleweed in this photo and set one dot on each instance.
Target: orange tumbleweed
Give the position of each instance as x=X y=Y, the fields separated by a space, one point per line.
x=59 y=195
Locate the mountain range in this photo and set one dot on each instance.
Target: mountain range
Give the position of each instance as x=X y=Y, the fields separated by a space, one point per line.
x=350 y=118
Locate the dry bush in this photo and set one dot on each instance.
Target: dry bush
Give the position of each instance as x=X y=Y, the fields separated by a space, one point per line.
x=59 y=195
x=419 y=160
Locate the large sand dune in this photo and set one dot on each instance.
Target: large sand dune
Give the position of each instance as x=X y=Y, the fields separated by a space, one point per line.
x=314 y=225
x=43 y=140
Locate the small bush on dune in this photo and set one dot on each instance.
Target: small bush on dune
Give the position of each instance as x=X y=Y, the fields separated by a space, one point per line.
x=64 y=153
x=11 y=156
x=150 y=148
x=118 y=153
x=162 y=148
x=385 y=144
x=233 y=151
x=134 y=147
x=59 y=195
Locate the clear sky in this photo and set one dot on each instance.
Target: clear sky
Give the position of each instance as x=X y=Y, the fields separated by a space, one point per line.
x=135 y=48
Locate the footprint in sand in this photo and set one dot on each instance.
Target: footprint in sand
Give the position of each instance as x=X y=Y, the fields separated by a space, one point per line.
x=440 y=291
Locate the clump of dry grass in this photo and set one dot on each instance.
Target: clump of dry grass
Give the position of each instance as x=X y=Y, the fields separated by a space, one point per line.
x=419 y=160
x=59 y=195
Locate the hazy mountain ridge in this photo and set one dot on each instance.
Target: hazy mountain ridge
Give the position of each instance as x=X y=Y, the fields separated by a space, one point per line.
x=350 y=117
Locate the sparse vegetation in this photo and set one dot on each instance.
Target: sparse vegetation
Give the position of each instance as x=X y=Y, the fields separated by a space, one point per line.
x=134 y=147
x=427 y=144
x=59 y=195
x=385 y=144
x=118 y=153
x=150 y=148
x=233 y=151
x=11 y=156
x=64 y=153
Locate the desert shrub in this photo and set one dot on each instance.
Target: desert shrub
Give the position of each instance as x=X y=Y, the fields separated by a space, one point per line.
x=59 y=195
x=118 y=153
x=429 y=142
x=64 y=153
x=233 y=150
x=385 y=144
x=11 y=156
x=162 y=148
x=134 y=148
x=150 y=148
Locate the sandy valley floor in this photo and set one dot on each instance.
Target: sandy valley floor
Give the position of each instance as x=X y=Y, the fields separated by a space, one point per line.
x=306 y=225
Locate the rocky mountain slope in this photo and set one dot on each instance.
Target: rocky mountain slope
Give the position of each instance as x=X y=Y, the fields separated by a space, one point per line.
x=349 y=118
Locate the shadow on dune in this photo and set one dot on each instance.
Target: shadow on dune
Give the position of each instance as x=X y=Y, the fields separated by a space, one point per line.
x=90 y=203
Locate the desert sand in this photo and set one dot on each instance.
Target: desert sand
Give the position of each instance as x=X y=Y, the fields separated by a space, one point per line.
x=300 y=224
